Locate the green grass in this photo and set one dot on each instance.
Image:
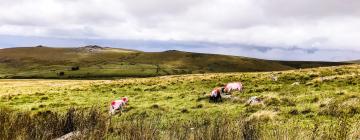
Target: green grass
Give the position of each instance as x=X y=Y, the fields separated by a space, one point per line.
x=45 y=62
x=318 y=103
x=174 y=93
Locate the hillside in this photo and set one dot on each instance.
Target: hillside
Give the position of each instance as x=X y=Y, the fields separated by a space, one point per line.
x=355 y=61
x=104 y=62
x=319 y=103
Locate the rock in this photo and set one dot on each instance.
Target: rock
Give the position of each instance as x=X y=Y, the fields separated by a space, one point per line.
x=69 y=136
x=274 y=78
x=295 y=84
x=254 y=100
x=91 y=48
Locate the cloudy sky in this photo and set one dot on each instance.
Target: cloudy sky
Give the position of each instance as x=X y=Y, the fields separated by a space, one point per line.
x=270 y=29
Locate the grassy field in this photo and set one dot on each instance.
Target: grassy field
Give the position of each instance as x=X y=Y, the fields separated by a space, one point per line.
x=94 y=62
x=319 y=103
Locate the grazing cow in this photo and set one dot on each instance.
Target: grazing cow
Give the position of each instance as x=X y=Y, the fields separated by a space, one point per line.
x=118 y=105
x=215 y=95
x=228 y=88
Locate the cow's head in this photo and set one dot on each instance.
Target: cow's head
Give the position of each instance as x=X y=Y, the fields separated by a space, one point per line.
x=125 y=99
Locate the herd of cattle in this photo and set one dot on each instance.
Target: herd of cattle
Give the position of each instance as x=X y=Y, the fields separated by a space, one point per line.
x=215 y=96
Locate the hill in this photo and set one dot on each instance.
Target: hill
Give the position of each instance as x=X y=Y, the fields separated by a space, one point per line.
x=355 y=61
x=103 y=62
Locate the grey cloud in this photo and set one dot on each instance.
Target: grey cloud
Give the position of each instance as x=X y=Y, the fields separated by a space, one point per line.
x=158 y=7
x=59 y=12
x=311 y=8
x=79 y=32
x=303 y=27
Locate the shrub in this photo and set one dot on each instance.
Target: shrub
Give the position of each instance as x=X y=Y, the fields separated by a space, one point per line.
x=75 y=68
x=136 y=89
x=168 y=97
x=198 y=106
x=253 y=108
x=314 y=100
x=155 y=106
x=287 y=102
x=294 y=111
x=44 y=98
x=184 y=110
x=306 y=111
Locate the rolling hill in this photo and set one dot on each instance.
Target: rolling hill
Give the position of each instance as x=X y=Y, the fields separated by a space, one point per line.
x=355 y=61
x=104 y=62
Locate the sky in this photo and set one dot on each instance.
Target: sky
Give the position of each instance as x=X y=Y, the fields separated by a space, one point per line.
x=323 y=30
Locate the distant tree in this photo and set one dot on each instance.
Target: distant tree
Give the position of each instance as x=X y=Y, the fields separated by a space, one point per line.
x=157 y=68
x=74 y=68
x=61 y=73
x=39 y=46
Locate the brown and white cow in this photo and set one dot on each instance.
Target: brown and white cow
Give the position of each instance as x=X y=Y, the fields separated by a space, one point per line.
x=215 y=94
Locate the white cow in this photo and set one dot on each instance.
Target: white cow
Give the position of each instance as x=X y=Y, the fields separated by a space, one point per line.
x=233 y=86
x=118 y=105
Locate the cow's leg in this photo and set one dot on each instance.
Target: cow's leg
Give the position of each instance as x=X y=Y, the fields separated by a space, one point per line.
x=217 y=99
x=121 y=109
x=112 y=110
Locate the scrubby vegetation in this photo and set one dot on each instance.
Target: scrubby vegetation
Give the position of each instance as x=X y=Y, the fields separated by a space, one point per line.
x=47 y=125
x=321 y=103
x=92 y=124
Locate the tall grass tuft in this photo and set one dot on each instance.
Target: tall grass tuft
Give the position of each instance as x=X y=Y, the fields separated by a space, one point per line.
x=49 y=125
x=95 y=124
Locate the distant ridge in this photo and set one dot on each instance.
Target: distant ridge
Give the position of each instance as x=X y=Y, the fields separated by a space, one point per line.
x=95 y=61
x=354 y=61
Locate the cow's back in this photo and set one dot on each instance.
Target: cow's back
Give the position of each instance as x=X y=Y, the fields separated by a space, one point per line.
x=234 y=86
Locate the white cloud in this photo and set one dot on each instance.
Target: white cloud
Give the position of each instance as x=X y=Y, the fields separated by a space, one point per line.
x=322 y=24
